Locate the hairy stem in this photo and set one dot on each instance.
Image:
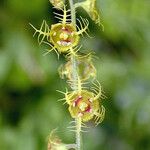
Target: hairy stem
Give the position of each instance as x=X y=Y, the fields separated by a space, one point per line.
x=73 y=13
x=69 y=146
x=78 y=134
x=75 y=79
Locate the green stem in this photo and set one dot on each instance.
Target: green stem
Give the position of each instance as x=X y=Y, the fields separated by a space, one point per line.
x=75 y=79
x=78 y=134
x=73 y=13
x=70 y=146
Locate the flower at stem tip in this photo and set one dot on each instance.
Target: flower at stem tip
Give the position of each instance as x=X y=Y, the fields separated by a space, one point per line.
x=57 y=3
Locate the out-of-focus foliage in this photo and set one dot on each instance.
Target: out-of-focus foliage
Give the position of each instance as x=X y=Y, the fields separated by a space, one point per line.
x=29 y=109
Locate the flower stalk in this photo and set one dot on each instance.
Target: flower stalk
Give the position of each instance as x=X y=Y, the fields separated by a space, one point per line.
x=83 y=100
x=75 y=77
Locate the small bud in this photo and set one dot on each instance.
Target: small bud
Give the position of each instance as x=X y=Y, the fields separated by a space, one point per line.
x=85 y=69
x=57 y=3
x=54 y=142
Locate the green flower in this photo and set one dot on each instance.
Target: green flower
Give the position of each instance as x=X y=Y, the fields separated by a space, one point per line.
x=63 y=37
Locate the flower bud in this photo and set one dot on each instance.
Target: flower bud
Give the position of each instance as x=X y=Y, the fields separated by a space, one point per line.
x=57 y=3
x=55 y=143
x=85 y=68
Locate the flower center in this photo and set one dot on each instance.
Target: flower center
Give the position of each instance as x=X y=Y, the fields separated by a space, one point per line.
x=63 y=36
x=83 y=106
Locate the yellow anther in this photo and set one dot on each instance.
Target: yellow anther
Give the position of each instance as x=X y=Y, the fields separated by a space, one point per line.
x=63 y=36
x=83 y=106
x=54 y=34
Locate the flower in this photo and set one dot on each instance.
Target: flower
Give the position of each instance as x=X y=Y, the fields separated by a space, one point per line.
x=63 y=36
x=85 y=104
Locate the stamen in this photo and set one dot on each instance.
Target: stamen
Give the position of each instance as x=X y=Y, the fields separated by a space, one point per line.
x=74 y=104
x=54 y=34
x=80 y=114
x=78 y=100
x=58 y=42
x=91 y=100
x=83 y=106
x=64 y=36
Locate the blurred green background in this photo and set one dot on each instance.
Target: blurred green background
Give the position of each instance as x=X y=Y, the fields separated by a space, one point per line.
x=29 y=109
